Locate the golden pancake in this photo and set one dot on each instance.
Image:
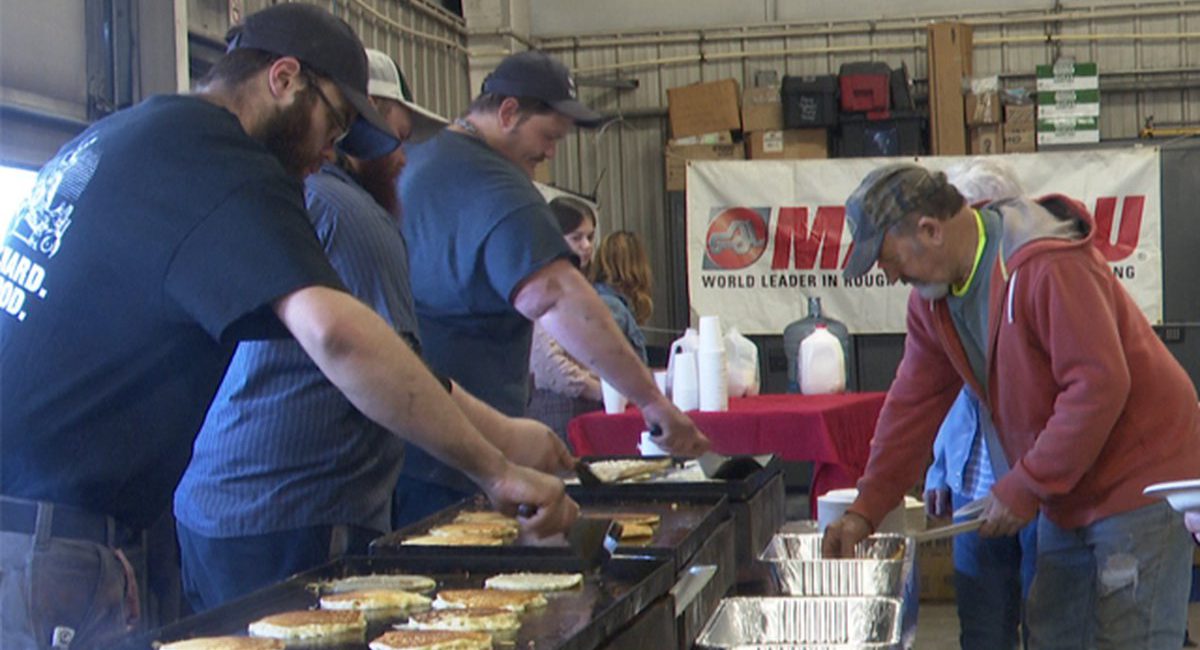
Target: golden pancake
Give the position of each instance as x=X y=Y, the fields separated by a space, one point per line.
x=225 y=643
x=377 y=603
x=477 y=619
x=312 y=625
x=626 y=518
x=537 y=582
x=516 y=601
x=452 y=540
x=636 y=532
x=432 y=640
x=484 y=516
x=401 y=582
x=496 y=529
x=612 y=471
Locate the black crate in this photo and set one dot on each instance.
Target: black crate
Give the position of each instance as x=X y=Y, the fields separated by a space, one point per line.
x=809 y=102
x=901 y=89
x=904 y=134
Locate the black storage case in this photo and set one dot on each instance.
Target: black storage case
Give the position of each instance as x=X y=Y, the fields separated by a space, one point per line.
x=809 y=102
x=903 y=134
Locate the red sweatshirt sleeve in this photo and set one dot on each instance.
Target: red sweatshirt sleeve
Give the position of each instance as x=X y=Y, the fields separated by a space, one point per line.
x=925 y=386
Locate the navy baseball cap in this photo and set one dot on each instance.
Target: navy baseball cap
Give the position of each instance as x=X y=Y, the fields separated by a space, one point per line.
x=535 y=74
x=883 y=199
x=328 y=45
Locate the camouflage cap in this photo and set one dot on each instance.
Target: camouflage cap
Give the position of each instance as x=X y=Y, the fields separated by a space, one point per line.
x=882 y=200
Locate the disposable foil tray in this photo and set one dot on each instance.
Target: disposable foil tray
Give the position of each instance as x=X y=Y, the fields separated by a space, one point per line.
x=803 y=624
x=880 y=566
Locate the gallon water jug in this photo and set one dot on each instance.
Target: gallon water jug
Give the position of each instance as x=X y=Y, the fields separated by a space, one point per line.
x=689 y=342
x=799 y=330
x=822 y=367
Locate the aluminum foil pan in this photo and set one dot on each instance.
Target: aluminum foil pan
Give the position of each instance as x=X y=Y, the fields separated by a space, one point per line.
x=803 y=624
x=880 y=566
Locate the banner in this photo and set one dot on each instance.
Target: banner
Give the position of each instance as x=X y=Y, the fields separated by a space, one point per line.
x=753 y=273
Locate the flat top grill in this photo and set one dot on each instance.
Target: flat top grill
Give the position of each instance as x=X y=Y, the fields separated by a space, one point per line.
x=579 y=619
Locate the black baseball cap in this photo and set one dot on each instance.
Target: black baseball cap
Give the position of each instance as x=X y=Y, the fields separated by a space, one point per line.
x=330 y=47
x=535 y=74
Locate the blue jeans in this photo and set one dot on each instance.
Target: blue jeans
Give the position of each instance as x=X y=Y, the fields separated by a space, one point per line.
x=219 y=569
x=992 y=577
x=1120 y=583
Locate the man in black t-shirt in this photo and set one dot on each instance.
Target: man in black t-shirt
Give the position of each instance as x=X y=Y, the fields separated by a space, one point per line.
x=151 y=245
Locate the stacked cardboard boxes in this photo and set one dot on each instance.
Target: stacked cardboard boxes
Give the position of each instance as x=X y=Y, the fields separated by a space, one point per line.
x=678 y=155
x=1020 y=135
x=702 y=117
x=981 y=109
x=1068 y=103
x=789 y=144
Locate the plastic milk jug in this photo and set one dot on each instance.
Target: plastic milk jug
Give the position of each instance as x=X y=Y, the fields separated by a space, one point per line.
x=822 y=363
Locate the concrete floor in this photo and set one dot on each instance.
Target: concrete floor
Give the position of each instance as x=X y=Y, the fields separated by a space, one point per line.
x=937 y=626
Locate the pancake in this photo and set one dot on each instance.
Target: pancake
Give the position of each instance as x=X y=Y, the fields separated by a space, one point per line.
x=477 y=516
x=536 y=582
x=225 y=643
x=401 y=582
x=477 y=619
x=376 y=603
x=501 y=530
x=514 y=601
x=612 y=471
x=452 y=540
x=311 y=625
x=636 y=532
x=432 y=640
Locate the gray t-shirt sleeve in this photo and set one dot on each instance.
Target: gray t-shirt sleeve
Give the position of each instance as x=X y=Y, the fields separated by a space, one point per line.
x=523 y=242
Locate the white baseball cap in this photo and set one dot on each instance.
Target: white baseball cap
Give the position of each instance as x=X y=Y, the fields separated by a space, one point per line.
x=385 y=80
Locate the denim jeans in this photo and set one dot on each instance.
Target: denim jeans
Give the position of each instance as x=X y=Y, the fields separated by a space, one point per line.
x=59 y=593
x=1120 y=583
x=992 y=577
x=219 y=569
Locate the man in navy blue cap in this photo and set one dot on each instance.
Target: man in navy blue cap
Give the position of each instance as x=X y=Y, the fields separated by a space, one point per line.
x=492 y=260
x=151 y=245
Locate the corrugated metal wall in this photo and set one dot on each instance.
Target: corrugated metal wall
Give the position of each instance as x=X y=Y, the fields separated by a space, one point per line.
x=428 y=42
x=1148 y=56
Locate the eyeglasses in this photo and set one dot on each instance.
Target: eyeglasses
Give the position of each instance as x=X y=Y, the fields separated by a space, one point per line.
x=339 y=120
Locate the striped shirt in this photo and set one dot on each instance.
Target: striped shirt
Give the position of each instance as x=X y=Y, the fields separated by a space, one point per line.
x=281 y=447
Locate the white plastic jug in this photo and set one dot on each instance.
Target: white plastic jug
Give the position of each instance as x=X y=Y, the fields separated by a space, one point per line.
x=689 y=342
x=821 y=364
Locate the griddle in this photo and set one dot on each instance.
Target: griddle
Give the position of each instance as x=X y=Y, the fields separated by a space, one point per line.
x=736 y=490
x=579 y=619
x=686 y=523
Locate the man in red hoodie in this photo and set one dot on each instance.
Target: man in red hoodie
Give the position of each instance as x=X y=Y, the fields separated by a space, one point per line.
x=1088 y=406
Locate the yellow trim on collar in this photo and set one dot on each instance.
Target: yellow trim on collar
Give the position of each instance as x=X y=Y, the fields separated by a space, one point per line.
x=959 y=292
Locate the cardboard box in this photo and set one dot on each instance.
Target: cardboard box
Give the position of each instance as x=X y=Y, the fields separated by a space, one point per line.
x=1054 y=104
x=950 y=52
x=762 y=109
x=704 y=108
x=1019 y=138
x=720 y=137
x=790 y=144
x=982 y=109
x=935 y=565
x=1020 y=115
x=1068 y=76
x=678 y=155
x=986 y=140
x=1069 y=130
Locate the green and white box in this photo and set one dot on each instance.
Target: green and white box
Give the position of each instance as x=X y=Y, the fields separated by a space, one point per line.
x=1067 y=130
x=1056 y=104
x=1068 y=76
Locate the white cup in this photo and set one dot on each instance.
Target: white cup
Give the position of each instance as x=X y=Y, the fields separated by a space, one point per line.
x=660 y=378
x=614 y=401
x=649 y=447
x=710 y=334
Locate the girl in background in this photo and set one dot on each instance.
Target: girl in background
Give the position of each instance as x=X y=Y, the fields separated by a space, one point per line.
x=621 y=274
x=562 y=387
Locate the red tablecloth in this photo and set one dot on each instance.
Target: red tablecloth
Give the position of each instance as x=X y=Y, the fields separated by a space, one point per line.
x=832 y=431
